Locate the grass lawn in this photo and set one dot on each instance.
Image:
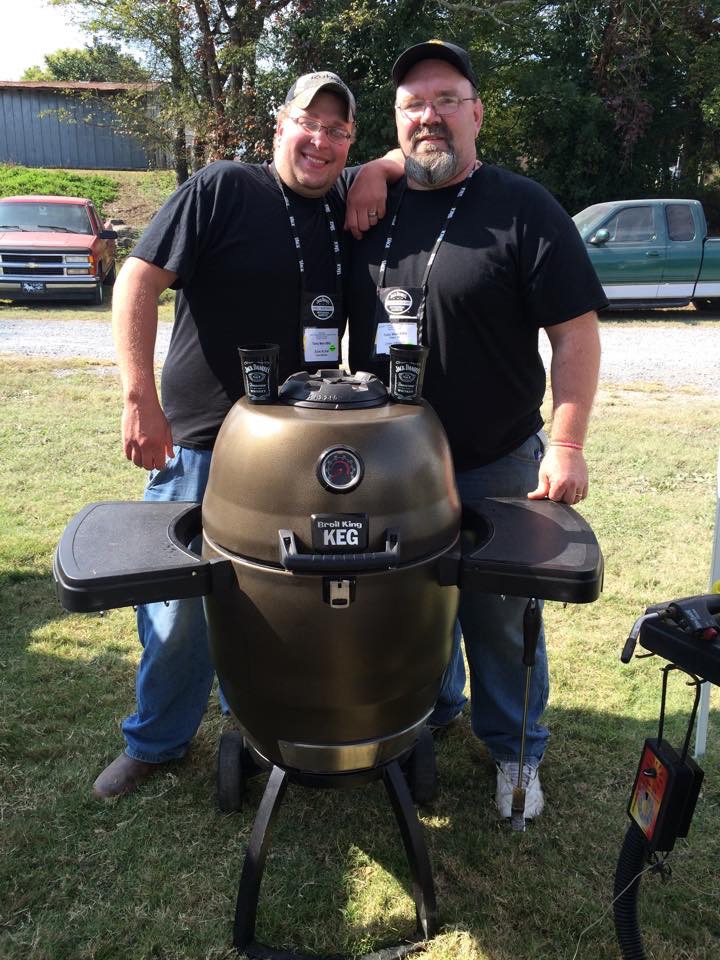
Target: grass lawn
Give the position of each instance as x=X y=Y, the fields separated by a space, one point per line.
x=155 y=875
x=57 y=310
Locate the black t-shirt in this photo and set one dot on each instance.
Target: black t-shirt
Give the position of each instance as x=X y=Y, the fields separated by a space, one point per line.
x=225 y=232
x=511 y=262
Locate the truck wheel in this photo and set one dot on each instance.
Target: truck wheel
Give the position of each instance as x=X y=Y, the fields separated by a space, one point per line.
x=109 y=278
x=99 y=294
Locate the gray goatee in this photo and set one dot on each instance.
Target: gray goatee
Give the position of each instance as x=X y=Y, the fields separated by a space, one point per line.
x=433 y=167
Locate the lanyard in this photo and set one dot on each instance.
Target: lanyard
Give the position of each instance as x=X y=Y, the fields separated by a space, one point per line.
x=296 y=236
x=433 y=253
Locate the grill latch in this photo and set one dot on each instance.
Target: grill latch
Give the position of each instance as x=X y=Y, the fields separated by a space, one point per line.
x=339 y=593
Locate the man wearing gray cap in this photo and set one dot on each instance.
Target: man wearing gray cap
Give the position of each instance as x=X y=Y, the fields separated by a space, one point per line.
x=484 y=258
x=249 y=250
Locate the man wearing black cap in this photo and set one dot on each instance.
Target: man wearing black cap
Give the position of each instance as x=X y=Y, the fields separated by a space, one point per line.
x=254 y=254
x=472 y=261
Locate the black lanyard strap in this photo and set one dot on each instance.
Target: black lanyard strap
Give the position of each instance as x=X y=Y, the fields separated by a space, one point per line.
x=334 y=242
x=433 y=253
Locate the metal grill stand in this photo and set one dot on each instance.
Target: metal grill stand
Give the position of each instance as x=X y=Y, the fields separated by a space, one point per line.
x=413 y=841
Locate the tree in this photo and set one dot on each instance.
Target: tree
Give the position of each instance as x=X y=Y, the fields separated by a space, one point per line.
x=96 y=62
x=594 y=98
x=205 y=53
x=359 y=40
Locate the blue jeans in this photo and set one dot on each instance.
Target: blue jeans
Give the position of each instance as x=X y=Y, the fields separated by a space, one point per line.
x=492 y=628
x=175 y=674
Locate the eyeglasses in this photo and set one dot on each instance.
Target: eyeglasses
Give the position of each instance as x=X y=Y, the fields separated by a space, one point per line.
x=336 y=134
x=443 y=106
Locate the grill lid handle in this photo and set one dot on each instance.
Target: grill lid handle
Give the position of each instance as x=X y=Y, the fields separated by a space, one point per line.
x=293 y=560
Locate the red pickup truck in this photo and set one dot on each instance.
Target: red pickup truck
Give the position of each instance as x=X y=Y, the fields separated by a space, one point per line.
x=54 y=248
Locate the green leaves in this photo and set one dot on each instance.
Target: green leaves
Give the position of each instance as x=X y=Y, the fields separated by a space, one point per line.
x=594 y=98
x=96 y=62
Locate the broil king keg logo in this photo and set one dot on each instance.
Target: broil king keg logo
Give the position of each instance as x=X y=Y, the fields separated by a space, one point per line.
x=322 y=307
x=339 y=531
x=397 y=302
x=257 y=373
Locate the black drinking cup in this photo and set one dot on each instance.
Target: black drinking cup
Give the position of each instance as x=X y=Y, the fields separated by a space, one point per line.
x=260 y=371
x=407 y=369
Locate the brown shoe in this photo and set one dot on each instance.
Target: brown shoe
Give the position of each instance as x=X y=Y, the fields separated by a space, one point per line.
x=123 y=776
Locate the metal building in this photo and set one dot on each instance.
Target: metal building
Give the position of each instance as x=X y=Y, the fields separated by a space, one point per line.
x=68 y=125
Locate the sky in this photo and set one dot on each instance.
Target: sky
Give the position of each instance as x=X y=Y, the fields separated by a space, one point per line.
x=30 y=29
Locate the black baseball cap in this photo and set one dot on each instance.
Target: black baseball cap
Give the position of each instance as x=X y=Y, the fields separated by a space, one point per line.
x=434 y=50
x=304 y=89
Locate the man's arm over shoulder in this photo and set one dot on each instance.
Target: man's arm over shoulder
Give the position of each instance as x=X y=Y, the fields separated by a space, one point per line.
x=367 y=197
x=146 y=434
x=574 y=373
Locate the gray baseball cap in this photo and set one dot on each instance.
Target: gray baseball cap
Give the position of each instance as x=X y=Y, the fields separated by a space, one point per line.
x=304 y=89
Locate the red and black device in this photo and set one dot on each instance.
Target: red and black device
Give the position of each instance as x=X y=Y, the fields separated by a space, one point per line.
x=667 y=784
x=664 y=795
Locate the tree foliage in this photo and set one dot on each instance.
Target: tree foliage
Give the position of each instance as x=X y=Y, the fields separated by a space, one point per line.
x=97 y=62
x=597 y=99
x=205 y=53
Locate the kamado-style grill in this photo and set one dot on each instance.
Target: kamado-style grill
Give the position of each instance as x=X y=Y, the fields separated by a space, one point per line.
x=330 y=567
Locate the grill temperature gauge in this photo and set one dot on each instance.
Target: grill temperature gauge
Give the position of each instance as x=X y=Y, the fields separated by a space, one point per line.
x=340 y=469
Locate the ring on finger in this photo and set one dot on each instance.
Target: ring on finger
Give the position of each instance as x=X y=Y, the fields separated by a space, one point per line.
x=373 y=214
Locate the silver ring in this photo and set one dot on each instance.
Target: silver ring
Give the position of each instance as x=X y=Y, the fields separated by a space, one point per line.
x=372 y=213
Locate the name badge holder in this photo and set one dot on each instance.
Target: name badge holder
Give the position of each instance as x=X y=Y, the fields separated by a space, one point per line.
x=396 y=317
x=320 y=312
x=400 y=311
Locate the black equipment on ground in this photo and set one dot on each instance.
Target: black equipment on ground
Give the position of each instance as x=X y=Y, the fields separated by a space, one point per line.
x=667 y=784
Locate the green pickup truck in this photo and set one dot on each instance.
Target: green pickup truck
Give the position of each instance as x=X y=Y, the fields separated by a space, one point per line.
x=652 y=253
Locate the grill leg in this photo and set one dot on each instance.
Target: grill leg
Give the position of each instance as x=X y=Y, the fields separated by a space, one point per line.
x=252 y=871
x=414 y=843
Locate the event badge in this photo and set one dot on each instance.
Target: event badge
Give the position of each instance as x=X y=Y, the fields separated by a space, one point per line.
x=396 y=315
x=321 y=314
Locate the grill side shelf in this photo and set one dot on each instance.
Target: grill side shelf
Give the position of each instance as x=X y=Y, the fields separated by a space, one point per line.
x=117 y=554
x=531 y=548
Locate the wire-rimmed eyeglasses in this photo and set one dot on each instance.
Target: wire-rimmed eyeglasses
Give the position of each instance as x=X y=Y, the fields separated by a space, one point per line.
x=336 y=134
x=444 y=106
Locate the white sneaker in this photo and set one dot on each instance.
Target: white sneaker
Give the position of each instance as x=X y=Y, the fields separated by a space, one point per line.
x=507 y=780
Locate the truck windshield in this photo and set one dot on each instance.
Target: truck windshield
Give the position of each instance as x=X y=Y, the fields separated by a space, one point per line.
x=66 y=217
x=591 y=215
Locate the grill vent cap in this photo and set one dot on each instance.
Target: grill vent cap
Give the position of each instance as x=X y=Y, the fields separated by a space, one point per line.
x=334 y=390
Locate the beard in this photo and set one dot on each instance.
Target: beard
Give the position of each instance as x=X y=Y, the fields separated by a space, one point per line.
x=433 y=166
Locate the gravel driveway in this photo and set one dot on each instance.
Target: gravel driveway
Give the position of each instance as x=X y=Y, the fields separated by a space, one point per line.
x=675 y=356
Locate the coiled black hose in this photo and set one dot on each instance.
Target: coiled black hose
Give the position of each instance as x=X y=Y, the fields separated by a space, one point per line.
x=631 y=862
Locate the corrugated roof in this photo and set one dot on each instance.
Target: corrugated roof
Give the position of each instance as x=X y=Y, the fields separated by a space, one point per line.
x=75 y=85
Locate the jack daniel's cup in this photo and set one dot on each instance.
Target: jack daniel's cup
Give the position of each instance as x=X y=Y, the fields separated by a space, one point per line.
x=407 y=369
x=260 y=371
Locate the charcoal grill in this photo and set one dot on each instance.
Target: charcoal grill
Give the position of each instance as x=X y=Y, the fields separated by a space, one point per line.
x=330 y=567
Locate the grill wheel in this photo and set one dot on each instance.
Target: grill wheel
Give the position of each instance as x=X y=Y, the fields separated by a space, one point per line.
x=421 y=770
